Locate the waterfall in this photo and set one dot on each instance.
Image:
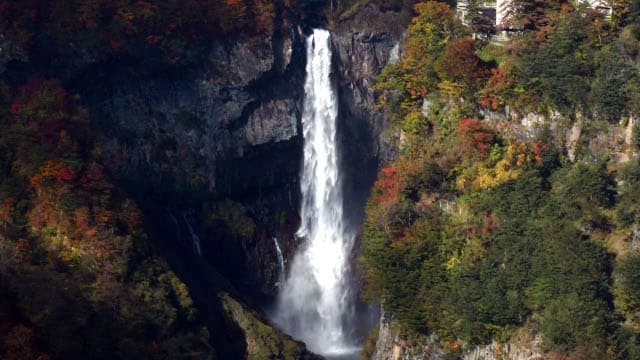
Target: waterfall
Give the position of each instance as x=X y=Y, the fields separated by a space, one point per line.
x=314 y=301
x=280 y=257
x=195 y=239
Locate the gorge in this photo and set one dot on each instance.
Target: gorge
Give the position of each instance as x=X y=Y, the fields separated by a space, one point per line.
x=210 y=151
x=222 y=179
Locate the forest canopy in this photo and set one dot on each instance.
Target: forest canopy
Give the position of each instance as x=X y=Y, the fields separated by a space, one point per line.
x=477 y=231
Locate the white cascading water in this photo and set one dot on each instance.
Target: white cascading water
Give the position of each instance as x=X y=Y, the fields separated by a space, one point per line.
x=195 y=239
x=281 y=268
x=314 y=300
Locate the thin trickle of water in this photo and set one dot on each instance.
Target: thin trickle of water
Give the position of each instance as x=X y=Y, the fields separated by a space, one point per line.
x=195 y=239
x=314 y=301
x=280 y=257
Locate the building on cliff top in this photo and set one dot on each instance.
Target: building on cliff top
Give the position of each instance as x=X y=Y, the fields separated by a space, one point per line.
x=495 y=12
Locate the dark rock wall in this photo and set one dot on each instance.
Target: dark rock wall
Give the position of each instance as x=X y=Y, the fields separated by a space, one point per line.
x=363 y=45
x=227 y=127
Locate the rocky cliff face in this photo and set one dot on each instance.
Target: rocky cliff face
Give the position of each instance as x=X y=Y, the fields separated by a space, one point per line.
x=219 y=142
x=364 y=44
x=225 y=128
x=391 y=345
x=229 y=127
x=211 y=151
x=600 y=140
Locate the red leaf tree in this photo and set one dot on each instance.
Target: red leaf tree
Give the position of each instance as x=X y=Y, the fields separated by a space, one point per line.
x=459 y=63
x=476 y=138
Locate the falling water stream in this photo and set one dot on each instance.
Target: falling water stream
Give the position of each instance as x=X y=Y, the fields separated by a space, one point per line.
x=195 y=239
x=281 y=268
x=314 y=301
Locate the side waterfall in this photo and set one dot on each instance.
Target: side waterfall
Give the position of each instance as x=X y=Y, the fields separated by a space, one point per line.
x=314 y=301
x=195 y=239
x=281 y=267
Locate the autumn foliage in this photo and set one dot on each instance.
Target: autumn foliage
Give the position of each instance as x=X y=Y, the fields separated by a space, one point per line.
x=460 y=63
x=514 y=239
x=497 y=88
x=7 y=207
x=19 y=344
x=539 y=147
x=175 y=28
x=387 y=187
x=72 y=242
x=476 y=138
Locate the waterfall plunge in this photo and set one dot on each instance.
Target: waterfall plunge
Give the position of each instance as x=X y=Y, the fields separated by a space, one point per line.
x=314 y=300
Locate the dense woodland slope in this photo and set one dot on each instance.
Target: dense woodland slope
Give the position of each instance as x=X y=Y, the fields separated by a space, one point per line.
x=495 y=223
